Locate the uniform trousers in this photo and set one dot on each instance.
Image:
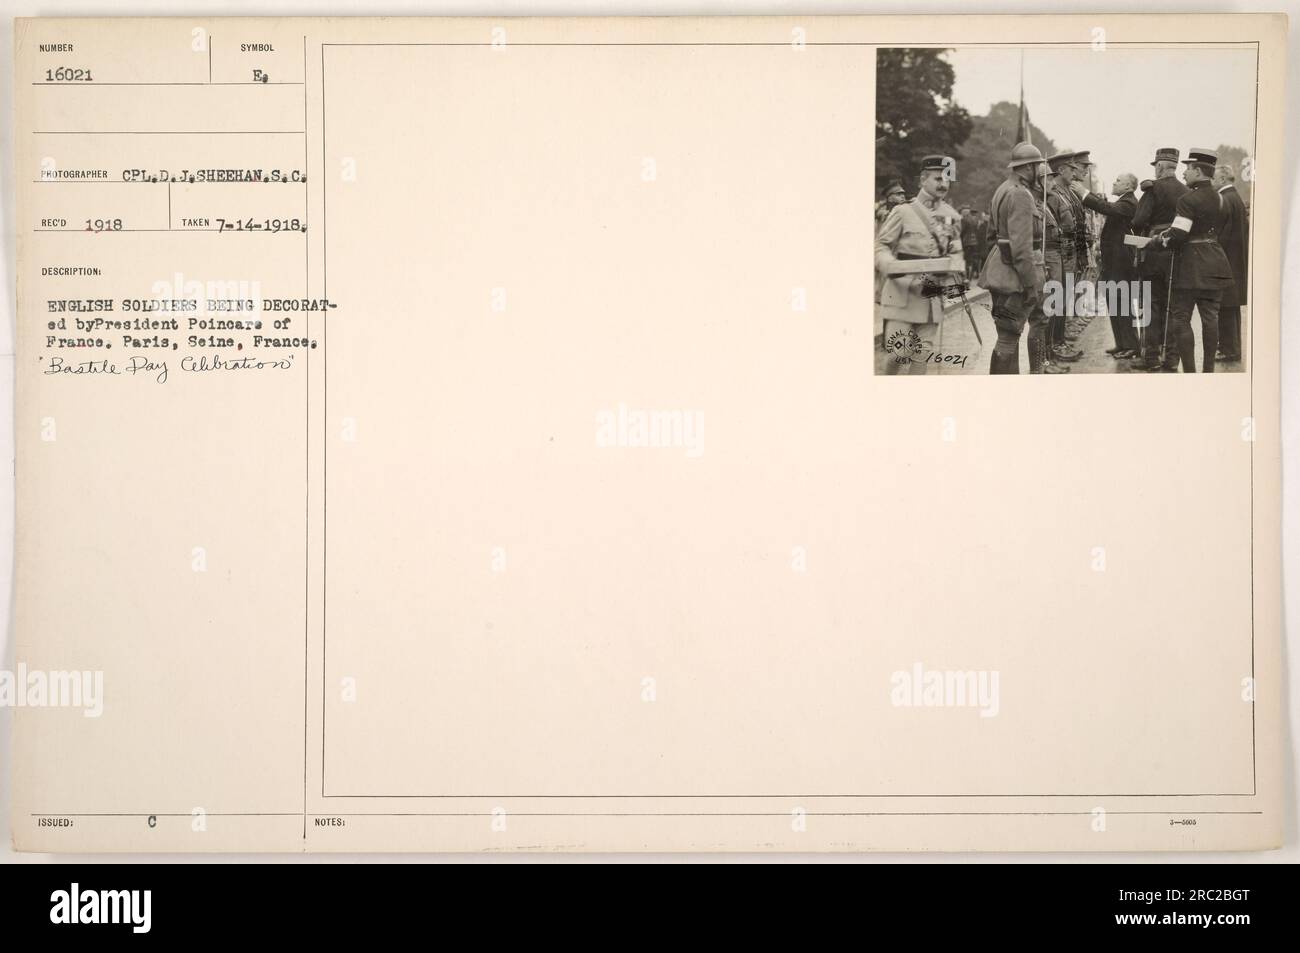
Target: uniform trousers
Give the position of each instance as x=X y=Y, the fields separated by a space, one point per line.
x=1181 y=304
x=1011 y=312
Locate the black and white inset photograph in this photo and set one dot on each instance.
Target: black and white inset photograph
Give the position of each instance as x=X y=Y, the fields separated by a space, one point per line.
x=1064 y=210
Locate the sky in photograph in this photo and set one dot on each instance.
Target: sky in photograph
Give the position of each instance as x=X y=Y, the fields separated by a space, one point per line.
x=1122 y=103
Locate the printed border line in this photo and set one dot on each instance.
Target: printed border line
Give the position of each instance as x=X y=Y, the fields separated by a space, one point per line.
x=325 y=444
x=775 y=797
x=167 y=814
x=891 y=45
x=661 y=814
x=306 y=505
x=1252 y=329
x=1062 y=44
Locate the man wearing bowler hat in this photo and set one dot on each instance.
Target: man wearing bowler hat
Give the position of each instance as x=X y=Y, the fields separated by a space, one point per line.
x=1201 y=270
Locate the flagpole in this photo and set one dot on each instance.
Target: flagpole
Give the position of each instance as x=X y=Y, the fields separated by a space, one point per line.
x=1041 y=207
x=1024 y=115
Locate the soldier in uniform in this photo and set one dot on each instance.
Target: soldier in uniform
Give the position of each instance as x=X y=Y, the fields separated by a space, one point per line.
x=926 y=227
x=1154 y=214
x=1060 y=256
x=1014 y=271
x=1201 y=269
x=894 y=195
x=970 y=240
x=1079 y=172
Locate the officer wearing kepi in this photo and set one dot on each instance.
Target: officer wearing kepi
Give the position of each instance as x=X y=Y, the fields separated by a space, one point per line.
x=1154 y=214
x=1201 y=269
x=1014 y=269
x=926 y=227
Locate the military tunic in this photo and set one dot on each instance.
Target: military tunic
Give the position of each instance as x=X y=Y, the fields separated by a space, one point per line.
x=1154 y=214
x=1067 y=208
x=1015 y=260
x=1059 y=248
x=1014 y=272
x=1201 y=274
x=914 y=230
x=1201 y=264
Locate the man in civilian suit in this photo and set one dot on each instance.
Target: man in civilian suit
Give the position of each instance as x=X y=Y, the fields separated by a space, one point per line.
x=1116 y=258
x=1234 y=236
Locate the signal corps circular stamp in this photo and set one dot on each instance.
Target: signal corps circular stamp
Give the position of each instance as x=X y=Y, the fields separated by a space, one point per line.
x=902 y=345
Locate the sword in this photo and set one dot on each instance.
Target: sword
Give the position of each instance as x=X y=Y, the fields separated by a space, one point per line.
x=965 y=304
x=954 y=289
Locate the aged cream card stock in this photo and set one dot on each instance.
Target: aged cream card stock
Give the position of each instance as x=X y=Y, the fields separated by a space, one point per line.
x=468 y=434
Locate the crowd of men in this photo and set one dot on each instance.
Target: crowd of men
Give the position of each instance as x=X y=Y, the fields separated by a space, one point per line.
x=1039 y=240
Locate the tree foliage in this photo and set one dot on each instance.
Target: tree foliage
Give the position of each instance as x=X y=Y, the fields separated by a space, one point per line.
x=915 y=114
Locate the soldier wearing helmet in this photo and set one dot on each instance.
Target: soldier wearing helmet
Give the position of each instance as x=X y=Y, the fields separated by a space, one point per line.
x=1014 y=270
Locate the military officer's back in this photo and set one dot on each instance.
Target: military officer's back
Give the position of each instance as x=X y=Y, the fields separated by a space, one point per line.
x=1154 y=214
x=1201 y=271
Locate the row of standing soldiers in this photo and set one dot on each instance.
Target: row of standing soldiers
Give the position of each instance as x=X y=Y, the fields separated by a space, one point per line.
x=1040 y=235
x=928 y=228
